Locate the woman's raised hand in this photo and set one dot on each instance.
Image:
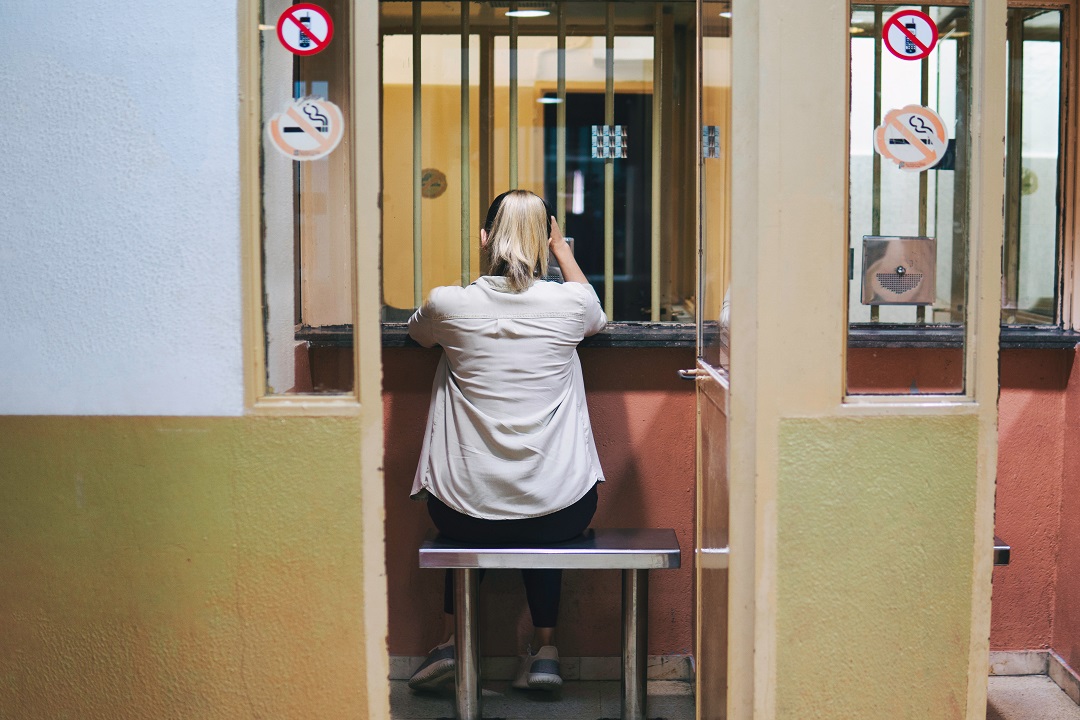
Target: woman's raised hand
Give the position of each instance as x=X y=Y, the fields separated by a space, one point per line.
x=556 y=238
x=564 y=255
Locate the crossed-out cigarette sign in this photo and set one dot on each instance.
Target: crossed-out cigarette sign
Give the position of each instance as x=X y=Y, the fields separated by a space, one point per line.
x=309 y=129
x=913 y=137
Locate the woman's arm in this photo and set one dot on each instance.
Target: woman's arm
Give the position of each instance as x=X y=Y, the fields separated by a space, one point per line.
x=571 y=271
x=594 y=312
x=422 y=323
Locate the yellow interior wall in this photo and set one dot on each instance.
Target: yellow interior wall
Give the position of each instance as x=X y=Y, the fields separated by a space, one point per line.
x=441 y=148
x=876 y=520
x=181 y=568
x=441 y=216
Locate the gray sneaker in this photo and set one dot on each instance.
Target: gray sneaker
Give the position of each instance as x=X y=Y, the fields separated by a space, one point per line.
x=437 y=669
x=539 y=671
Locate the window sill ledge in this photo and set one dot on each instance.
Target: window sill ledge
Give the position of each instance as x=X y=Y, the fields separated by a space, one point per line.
x=951 y=336
x=673 y=335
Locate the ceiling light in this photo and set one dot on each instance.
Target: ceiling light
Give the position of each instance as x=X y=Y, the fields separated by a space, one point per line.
x=725 y=14
x=549 y=100
x=856 y=30
x=527 y=13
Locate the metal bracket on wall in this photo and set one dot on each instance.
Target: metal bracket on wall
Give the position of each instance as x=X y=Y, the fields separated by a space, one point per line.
x=609 y=141
x=710 y=141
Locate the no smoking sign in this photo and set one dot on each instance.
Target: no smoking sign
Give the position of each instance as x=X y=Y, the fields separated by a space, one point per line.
x=910 y=34
x=305 y=29
x=309 y=129
x=914 y=137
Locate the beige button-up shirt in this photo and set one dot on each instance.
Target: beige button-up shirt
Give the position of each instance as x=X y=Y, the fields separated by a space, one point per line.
x=508 y=432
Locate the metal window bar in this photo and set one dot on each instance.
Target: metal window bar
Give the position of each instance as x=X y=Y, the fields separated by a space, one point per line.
x=487 y=122
x=418 y=279
x=1013 y=162
x=609 y=164
x=466 y=149
x=513 y=98
x=657 y=120
x=560 y=130
x=875 y=222
x=924 y=66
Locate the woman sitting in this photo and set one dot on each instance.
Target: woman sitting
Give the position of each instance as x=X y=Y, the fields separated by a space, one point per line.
x=508 y=455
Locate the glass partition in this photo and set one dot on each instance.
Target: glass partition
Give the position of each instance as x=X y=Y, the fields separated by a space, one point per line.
x=1030 y=291
x=715 y=179
x=307 y=247
x=560 y=98
x=908 y=199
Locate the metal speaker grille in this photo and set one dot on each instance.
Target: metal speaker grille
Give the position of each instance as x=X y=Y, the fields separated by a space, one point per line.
x=899 y=284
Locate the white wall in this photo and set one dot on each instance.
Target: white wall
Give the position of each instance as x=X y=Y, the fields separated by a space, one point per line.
x=119 y=209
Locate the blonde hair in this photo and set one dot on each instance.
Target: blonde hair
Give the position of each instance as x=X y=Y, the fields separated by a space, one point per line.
x=517 y=239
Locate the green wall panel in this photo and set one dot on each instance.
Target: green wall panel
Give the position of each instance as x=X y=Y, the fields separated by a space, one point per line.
x=875 y=554
x=180 y=568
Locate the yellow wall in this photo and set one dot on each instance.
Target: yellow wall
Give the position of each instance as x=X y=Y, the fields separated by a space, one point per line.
x=441 y=149
x=181 y=568
x=876 y=522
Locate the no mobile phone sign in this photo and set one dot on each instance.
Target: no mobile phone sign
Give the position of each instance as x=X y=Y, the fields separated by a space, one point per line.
x=305 y=29
x=910 y=34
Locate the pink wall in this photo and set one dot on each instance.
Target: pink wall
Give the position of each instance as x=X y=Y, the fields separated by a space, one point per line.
x=1031 y=445
x=1066 y=639
x=643 y=417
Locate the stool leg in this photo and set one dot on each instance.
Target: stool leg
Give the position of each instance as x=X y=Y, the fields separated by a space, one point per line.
x=635 y=636
x=466 y=621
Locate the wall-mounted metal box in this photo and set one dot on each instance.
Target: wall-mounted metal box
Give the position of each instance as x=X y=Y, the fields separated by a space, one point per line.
x=899 y=270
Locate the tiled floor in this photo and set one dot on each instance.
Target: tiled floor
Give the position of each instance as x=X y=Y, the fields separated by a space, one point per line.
x=581 y=700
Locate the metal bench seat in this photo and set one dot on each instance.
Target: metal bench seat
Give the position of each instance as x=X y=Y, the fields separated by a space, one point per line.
x=632 y=550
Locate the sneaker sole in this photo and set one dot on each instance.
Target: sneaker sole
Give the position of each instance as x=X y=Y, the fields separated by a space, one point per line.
x=434 y=675
x=544 y=681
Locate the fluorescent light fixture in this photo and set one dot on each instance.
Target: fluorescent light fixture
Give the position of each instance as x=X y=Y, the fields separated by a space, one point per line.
x=527 y=13
x=577 y=202
x=725 y=14
x=549 y=100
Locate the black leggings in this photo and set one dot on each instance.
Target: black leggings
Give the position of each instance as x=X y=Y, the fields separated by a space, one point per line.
x=542 y=587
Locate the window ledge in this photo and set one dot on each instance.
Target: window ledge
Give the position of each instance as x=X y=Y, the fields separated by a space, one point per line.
x=622 y=334
x=670 y=335
x=952 y=336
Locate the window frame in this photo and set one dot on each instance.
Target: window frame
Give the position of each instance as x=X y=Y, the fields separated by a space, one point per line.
x=1064 y=333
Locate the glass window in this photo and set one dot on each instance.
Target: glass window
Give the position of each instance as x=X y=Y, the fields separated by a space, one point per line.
x=1030 y=291
x=562 y=100
x=307 y=248
x=908 y=199
x=715 y=182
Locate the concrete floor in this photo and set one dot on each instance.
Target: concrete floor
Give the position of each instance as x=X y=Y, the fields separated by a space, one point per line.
x=578 y=700
x=1027 y=697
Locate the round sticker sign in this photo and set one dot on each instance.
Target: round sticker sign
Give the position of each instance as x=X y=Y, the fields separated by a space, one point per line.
x=910 y=34
x=305 y=29
x=913 y=137
x=309 y=129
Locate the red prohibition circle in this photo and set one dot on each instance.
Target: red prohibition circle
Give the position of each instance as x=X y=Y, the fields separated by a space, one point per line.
x=317 y=44
x=896 y=21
